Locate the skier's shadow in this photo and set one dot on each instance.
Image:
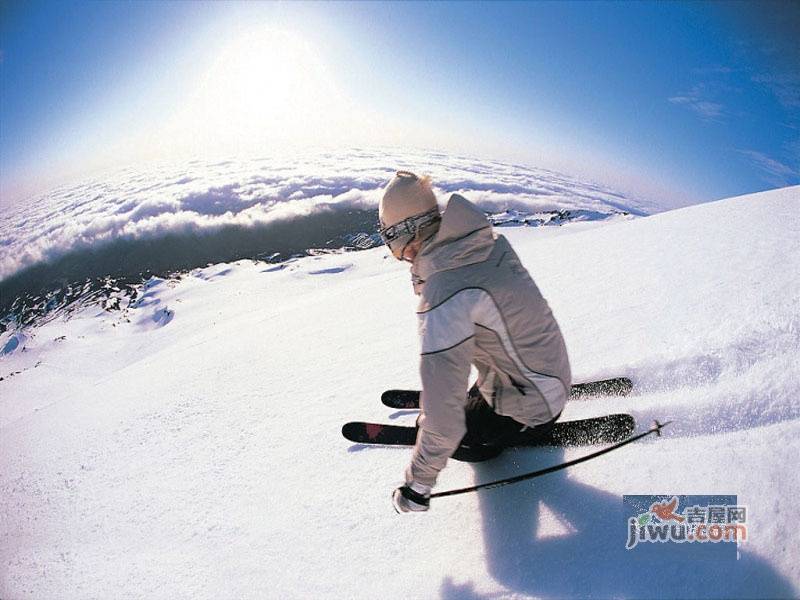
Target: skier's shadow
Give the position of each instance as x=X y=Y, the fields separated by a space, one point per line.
x=588 y=559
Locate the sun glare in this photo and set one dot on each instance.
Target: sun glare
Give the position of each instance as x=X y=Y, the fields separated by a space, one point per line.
x=266 y=86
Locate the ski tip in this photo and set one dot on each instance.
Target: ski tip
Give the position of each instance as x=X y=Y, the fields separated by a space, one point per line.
x=617 y=386
x=401 y=399
x=354 y=431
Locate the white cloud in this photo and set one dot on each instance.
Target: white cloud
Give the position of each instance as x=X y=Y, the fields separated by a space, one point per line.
x=785 y=87
x=698 y=101
x=198 y=197
x=775 y=172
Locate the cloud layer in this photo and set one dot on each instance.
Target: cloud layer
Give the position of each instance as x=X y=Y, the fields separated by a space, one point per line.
x=200 y=198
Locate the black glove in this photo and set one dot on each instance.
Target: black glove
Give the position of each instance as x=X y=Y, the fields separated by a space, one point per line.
x=413 y=497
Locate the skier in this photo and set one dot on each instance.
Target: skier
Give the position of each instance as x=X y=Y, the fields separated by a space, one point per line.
x=478 y=306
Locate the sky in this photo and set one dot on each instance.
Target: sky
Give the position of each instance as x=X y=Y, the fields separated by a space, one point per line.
x=675 y=102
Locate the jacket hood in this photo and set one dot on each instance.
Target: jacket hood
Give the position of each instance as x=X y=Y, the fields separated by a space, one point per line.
x=464 y=237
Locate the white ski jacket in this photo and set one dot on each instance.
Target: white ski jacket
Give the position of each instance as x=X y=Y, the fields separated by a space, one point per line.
x=478 y=305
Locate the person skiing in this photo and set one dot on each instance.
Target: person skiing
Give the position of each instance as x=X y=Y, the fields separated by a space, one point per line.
x=478 y=306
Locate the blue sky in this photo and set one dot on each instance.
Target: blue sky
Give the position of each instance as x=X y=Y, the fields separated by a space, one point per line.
x=679 y=102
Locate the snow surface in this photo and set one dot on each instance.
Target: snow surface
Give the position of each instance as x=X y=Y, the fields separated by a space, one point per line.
x=190 y=446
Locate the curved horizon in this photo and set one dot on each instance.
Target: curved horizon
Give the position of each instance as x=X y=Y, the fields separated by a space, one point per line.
x=674 y=103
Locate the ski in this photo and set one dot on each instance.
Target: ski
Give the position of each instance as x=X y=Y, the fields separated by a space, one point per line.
x=582 y=432
x=618 y=386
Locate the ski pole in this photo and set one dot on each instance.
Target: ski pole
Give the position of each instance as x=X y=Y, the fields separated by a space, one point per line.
x=656 y=428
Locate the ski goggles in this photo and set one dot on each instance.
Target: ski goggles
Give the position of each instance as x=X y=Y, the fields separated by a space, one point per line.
x=408 y=228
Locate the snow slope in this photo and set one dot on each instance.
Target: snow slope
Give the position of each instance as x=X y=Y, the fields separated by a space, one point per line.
x=190 y=447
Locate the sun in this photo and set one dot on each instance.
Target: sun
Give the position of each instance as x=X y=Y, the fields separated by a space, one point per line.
x=266 y=85
x=267 y=75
